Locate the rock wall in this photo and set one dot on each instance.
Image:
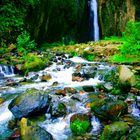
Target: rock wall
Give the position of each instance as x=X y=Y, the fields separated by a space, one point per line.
x=55 y=20
x=61 y=19
x=114 y=14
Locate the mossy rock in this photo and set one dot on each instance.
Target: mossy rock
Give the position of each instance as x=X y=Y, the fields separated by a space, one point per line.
x=114 y=131
x=33 y=132
x=134 y=134
x=2 y=100
x=33 y=65
x=109 y=110
x=32 y=102
x=58 y=109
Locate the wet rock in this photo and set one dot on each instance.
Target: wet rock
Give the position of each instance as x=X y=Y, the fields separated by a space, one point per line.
x=58 y=109
x=34 y=77
x=107 y=87
x=46 y=78
x=12 y=124
x=115 y=131
x=89 y=73
x=17 y=68
x=77 y=74
x=109 y=110
x=81 y=117
x=11 y=82
x=32 y=102
x=29 y=132
x=2 y=100
x=78 y=79
x=130 y=98
x=134 y=90
x=61 y=92
x=104 y=88
x=88 y=88
x=80 y=123
x=77 y=97
x=129 y=119
x=70 y=90
x=126 y=76
x=93 y=97
x=55 y=83
x=60 y=54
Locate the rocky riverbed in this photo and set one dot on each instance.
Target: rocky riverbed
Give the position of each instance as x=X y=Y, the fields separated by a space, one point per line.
x=71 y=99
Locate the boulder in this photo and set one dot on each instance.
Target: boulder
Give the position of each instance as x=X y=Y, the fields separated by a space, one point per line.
x=107 y=110
x=61 y=92
x=88 y=88
x=78 y=79
x=58 y=109
x=11 y=82
x=115 y=131
x=126 y=75
x=89 y=73
x=30 y=103
x=46 y=78
x=29 y=132
x=2 y=100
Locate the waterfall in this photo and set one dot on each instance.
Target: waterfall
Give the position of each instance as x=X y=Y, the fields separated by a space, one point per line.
x=94 y=20
x=6 y=71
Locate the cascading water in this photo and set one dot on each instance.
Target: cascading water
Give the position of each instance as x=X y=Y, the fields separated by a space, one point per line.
x=62 y=74
x=94 y=20
x=6 y=71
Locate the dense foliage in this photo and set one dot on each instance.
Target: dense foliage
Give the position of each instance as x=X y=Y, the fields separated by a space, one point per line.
x=13 y=19
x=130 y=50
x=24 y=44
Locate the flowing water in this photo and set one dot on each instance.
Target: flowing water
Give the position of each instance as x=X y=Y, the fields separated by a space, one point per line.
x=62 y=74
x=6 y=71
x=94 y=19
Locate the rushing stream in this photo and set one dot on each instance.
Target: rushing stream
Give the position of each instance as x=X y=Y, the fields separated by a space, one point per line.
x=61 y=73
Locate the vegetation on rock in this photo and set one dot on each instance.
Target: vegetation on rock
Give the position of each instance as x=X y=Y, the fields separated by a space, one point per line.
x=79 y=127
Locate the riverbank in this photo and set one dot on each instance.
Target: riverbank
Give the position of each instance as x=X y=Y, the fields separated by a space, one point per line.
x=70 y=92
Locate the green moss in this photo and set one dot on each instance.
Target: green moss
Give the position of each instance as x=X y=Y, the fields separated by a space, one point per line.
x=33 y=63
x=79 y=127
x=88 y=56
x=115 y=131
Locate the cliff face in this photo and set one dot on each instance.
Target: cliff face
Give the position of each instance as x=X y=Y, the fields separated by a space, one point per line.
x=114 y=14
x=54 y=20
x=61 y=19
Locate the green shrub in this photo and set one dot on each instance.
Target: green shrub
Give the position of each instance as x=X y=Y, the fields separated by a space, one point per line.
x=73 y=53
x=12 y=18
x=24 y=44
x=79 y=127
x=88 y=56
x=129 y=51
